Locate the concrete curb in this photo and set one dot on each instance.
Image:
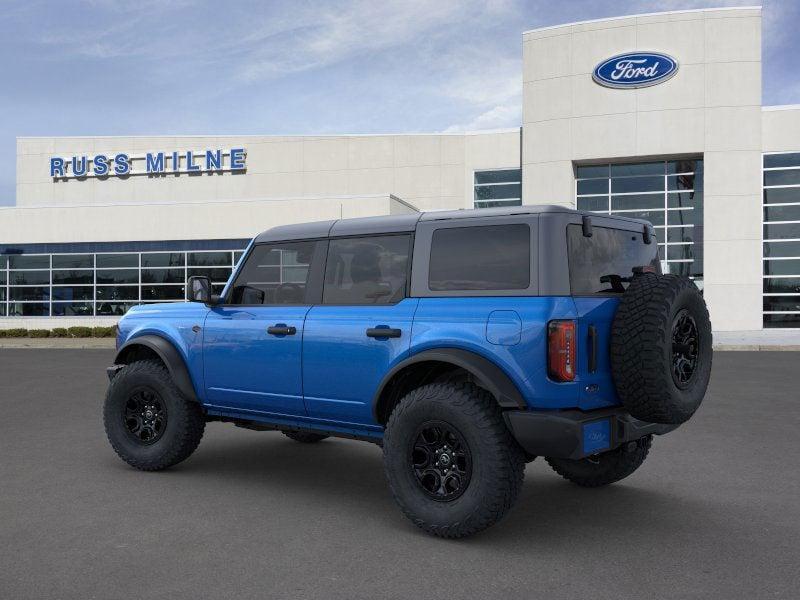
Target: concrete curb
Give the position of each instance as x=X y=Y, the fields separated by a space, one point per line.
x=56 y=343
x=755 y=348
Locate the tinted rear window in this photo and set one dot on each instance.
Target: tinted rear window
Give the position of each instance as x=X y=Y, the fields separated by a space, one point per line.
x=492 y=257
x=607 y=252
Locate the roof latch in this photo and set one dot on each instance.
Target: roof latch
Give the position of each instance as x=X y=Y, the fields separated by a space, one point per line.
x=587 y=226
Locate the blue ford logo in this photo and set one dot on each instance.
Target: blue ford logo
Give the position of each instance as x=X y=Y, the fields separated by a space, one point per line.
x=635 y=70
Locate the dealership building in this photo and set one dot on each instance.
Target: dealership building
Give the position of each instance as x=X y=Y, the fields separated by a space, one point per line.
x=653 y=116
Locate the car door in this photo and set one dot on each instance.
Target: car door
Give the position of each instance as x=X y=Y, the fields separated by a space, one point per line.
x=252 y=343
x=361 y=328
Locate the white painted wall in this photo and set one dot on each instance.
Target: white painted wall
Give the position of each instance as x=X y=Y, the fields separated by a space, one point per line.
x=430 y=171
x=183 y=220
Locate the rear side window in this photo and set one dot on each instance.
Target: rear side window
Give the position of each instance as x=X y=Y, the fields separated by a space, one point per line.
x=275 y=274
x=491 y=257
x=608 y=252
x=366 y=270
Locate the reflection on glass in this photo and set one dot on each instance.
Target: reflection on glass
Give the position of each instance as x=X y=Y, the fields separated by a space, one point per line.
x=73 y=309
x=25 y=261
x=73 y=261
x=117 y=260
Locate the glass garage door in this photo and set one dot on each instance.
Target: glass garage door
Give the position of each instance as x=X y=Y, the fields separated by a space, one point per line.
x=782 y=240
x=669 y=194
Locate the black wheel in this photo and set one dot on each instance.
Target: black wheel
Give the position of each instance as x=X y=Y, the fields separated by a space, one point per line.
x=605 y=468
x=304 y=437
x=661 y=348
x=149 y=423
x=452 y=465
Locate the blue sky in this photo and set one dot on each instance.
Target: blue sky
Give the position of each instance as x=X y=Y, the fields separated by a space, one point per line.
x=151 y=67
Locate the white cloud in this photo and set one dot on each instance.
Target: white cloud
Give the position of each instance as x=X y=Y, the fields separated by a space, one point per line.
x=322 y=37
x=498 y=117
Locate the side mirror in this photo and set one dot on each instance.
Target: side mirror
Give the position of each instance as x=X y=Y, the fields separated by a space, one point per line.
x=198 y=289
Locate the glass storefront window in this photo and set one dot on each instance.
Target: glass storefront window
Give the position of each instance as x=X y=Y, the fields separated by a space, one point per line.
x=72 y=292
x=217 y=275
x=29 y=261
x=781 y=245
x=151 y=293
x=117 y=276
x=29 y=293
x=163 y=259
x=72 y=309
x=108 y=284
x=163 y=276
x=116 y=261
x=666 y=193
x=73 y=261
x=500 y=187
x=29 y=277
x=209 y=259
x=118 y=292
x=28 y=309
x=63 y=277
x=113 y=309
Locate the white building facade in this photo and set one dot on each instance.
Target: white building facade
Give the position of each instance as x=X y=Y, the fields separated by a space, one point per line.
x=104 y=223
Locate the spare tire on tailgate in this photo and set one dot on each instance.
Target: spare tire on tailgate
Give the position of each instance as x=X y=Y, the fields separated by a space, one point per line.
x=661 y=348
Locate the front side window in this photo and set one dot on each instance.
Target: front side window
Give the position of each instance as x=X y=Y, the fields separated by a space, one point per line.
x=594 y=262
x=275 y=274
x=367 y=270
x=491 y=257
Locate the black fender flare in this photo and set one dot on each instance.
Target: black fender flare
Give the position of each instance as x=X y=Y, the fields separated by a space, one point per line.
x=493 y=378
x=169 y=355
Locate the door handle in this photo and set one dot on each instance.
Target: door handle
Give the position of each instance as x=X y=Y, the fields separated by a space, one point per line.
x=281 y=329
x=383 y=332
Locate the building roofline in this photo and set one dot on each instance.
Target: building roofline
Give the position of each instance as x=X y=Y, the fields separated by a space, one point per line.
x=652 y=14
x=267 y=135
x=781 y=107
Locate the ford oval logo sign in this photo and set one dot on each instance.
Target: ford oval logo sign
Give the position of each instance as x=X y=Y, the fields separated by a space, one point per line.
x=635 y=70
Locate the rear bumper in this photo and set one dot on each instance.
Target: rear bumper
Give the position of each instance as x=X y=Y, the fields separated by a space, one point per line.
x=576 y=434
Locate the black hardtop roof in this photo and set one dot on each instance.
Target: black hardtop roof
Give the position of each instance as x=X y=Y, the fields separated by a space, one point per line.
x=401 y=223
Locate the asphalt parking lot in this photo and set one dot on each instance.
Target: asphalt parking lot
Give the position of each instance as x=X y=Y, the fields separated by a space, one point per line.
x=713 y=513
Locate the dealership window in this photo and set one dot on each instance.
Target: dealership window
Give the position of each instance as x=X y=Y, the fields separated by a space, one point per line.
x=669 y=194
x=103 y=284
x=499 y=187
x=781 y=247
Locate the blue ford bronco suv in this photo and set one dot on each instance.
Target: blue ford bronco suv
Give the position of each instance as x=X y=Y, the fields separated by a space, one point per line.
x=465 y=343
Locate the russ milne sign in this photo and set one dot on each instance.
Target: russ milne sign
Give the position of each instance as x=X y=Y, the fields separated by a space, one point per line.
x=151 y=163
x=635 y=70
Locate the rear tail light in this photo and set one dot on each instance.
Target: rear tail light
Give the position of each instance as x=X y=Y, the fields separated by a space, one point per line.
x=561 y=350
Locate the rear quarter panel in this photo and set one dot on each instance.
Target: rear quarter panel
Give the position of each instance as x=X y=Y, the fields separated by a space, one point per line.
x=462 y=323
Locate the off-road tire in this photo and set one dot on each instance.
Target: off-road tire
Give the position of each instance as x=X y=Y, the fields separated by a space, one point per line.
x=642 y=348
x=304 y=437
x=605 y=468
x=498 y=462
x=185 y=421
